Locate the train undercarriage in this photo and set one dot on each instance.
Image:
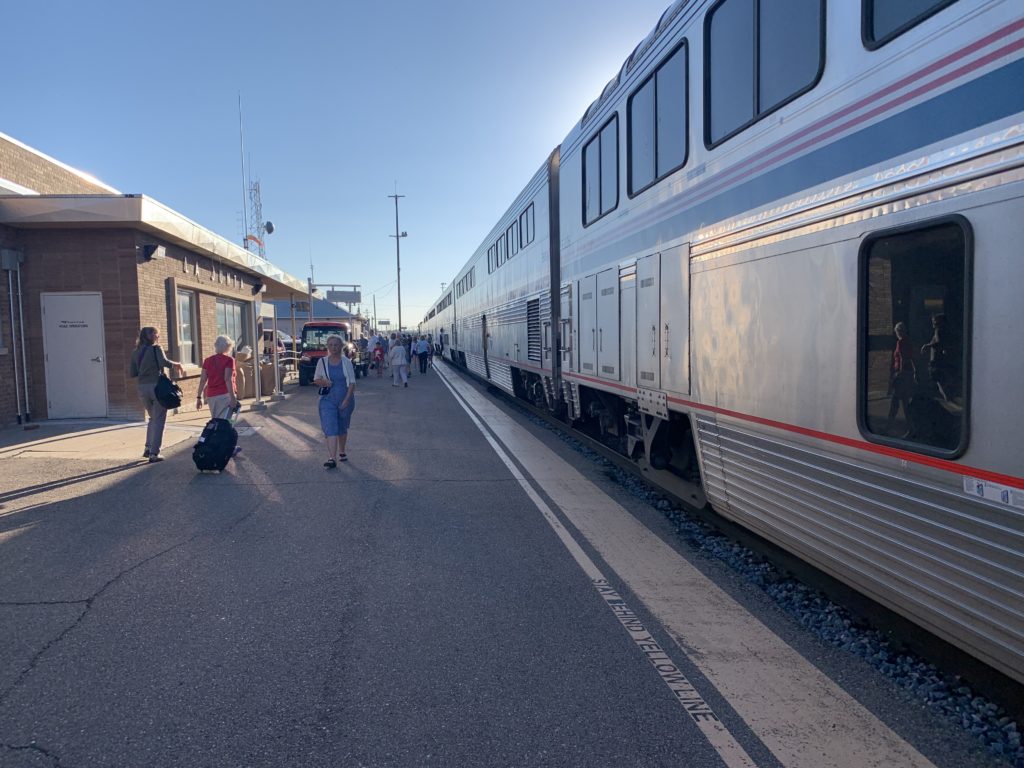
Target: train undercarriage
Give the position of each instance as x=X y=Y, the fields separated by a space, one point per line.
x=662 y=443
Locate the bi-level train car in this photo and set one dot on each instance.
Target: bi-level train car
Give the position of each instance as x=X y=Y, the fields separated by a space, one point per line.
x=781 y=256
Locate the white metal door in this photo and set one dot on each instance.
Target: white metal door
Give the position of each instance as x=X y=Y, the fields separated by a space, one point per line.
x=588 y=325
x=627 y=335
x=608 y=324
x=75 y=360
x=566 y=335
x=648 y=321
x=675 y=319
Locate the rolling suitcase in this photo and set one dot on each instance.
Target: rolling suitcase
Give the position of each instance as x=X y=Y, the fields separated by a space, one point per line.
x=217 y=444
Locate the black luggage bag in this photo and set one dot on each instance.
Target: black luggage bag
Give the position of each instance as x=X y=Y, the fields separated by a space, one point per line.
x=216 y=445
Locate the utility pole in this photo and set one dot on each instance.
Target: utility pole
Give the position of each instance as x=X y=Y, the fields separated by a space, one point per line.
x=375 y=329
x=398 y=258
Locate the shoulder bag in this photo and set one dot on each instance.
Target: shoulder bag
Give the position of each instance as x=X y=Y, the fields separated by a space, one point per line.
x=167 y=393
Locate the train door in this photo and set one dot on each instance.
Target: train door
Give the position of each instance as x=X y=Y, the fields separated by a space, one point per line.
x=648 y=321
x=483 y=344
x=608 y=324
x=565 y=340
x=675 y=319
x=627 y=331
x=588 y=325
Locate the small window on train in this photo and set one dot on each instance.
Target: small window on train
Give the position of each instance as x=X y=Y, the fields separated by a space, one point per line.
x=513 y=240
x=885 y=20
x=526 y=226
x=915 y=347
x=601 y=172
x=502 y=253
x=492 y=260
x=657 y=124
x=759 y=55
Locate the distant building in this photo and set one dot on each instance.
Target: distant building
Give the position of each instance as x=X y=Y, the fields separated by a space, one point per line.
x=84 y=268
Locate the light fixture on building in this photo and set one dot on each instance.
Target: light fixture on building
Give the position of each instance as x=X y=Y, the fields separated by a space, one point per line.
x=153 y=251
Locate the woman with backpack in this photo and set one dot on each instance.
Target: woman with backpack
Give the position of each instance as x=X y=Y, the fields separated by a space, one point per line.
x=148 y=362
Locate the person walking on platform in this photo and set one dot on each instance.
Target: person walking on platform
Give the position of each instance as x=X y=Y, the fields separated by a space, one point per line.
x=336 y=377
x=378 y=359
x=399 y=363
x=422 y=350
x=217 y=380
x=147 y=363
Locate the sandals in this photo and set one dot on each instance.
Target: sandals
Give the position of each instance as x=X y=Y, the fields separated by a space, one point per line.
x=330 y=464
x=342 y=457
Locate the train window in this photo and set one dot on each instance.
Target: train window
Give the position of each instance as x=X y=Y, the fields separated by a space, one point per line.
x=789 y=49
x=657 y=124
x=513 y=240
x=884 y=20
x=914 y=352
x=526 y=226
x=759 y=55
x=601 y=172
x=492 y=261
x=502 y=253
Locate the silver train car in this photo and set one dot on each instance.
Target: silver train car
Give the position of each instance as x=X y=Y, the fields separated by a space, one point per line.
x=780 y=259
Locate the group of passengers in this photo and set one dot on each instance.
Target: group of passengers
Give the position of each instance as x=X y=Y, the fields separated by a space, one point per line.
x=334 y=375
x=402 y=350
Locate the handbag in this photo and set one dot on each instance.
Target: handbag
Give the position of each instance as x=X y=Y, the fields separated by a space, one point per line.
x=167 y=393
x=323 y=391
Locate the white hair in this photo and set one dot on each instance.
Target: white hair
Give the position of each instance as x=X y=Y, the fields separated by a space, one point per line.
x=222 y=344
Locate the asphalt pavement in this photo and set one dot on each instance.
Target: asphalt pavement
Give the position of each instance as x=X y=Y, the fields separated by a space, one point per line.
x=407 y=608
x=411 y=607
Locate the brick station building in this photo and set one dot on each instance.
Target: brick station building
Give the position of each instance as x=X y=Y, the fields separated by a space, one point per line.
x=83 y=268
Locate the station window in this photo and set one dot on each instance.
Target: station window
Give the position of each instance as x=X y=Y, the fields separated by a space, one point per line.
x=657 y=123
x=884 y=20
x=229 y=321
x=759 y=55
x=601 y=172
x=187 y=352
x=915 y=337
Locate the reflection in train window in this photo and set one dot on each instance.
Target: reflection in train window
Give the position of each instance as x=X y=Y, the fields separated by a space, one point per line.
x=915 y=320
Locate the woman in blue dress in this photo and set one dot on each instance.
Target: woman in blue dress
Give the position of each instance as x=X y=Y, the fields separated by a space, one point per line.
x=336 y=377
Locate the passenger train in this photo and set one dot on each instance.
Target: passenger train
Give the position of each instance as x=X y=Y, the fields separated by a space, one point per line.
x=781 y=258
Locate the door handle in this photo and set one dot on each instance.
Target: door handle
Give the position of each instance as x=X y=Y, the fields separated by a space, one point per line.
x=97 y=359
x=600 y=336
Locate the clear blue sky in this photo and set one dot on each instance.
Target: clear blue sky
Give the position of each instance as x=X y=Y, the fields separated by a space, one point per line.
x=458 y=101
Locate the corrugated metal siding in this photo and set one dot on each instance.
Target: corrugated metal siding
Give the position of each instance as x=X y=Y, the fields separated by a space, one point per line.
x=949 y=561
x=475 y=363
x=533 y=340
x=711 y=462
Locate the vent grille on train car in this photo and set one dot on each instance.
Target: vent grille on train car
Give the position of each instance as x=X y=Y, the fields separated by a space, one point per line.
x=533 y=330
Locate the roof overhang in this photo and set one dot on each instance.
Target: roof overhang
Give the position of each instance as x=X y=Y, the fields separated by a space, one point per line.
x=147 y=215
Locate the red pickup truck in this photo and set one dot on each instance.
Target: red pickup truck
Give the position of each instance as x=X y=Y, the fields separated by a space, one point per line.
x=313 y=346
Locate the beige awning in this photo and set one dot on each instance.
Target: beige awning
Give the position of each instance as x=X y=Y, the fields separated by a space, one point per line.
x=148 y=215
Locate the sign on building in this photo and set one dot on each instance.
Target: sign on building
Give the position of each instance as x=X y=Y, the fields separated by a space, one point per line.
x=345 y=297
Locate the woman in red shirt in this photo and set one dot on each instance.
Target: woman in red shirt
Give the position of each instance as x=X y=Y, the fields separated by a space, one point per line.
x=218 y=381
